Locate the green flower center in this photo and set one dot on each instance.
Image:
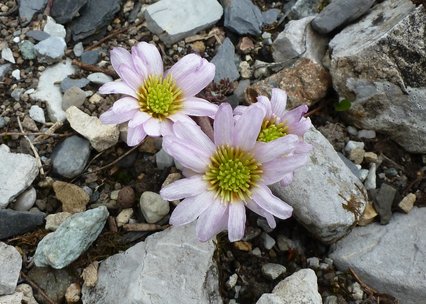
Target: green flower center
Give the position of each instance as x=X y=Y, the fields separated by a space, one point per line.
x=232 y=173
x=160 y=97
x=272 y=130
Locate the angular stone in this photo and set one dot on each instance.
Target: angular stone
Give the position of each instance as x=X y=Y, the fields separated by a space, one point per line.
x=6 y=54
x=53 y=221
x=54 y=29
x=173 y=20
x=4 y=69
x=224 y=60
x=73 y=198
x=383 y=202
x=25 y=200
x=101 y=136
x=99 y=78
x=270 y=16
x=73 y=97
x=14 y=223
x=304 y=8
x=406 y=204
x=331 y=212
x=11 y=262
x=90 y=57
x=64 y=10
x=74 y=236
x=153 y=206
x=53 y=282
x=68 y=83
x=27 y=50
x=243 y=17
x=37 y=35
x=388 y=258
x=158 y=262
x=51 y=49
x=273 y=271
x=17 y=172
x=27 y=9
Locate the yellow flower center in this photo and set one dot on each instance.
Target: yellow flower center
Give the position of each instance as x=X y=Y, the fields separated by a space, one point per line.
x=232 y=173
x=272 y=129
x=160 y=97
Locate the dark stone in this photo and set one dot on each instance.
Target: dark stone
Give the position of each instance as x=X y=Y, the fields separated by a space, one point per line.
x=53 y=282
x=14 y=223
x=28 y=8
x=135 y=11
x=68 y=83
x=94 y=18
x=4 y=69
x=70 y=157
x=270 y=16
x=383 y=202
x=37 y=35
x=243 y=17
x=64 y=10
x=224 y=62
x=126 y=197
x=351 y=165
x=90 y=57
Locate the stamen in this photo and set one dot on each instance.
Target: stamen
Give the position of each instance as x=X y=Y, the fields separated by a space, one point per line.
x=272 y=129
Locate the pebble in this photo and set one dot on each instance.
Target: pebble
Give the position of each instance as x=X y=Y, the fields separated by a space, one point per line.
x=407 y=203
x=6 y=54
x=16 y=93
x=268 y=241
x=368 y=216
x=54 y=29
x=331 y=300
x=124 y=216
x=243 y=17
x=356 y=291
x=53 y=221
x=37 y=114
x=245 y=70
x=224 y=62
x=37 y=35
x=16 y=74
x=18 y=222
x=126 y=197
x=27 y=291
x=232 y=281
x=27 y=50
x=391 y=172
x=153 y=207
x=29 y=124
x=2 y=122
x=74 y=236
x=369 y=134
x=78 y=49
x=11 y=262
x=270 y=16
x=99 y=78
x=313 y=262
x=163 y=160
x=70 y=157
x=73 y=293
x=51 y=49
x=262 y=223
x=25 y=200
x=53 y=282
x=73 y=198
x=73 y=97
x=4 y=69
x=273 y=271
x=370 y=181
x=90 y=57
x=114 y=195
x=363 y=173
x=256 y=251
x=371 y=157
x=69 y=83
x=246 y=45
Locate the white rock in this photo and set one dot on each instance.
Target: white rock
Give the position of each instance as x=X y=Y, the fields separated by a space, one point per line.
x=352 y=145
x=101 y=136
x=37 y=114
x=54 y=29
x=25 y=200
x=273 y=271
x=15 y=298
x=407 y=203
x=53 y=221
x=370 y=181
x=313 y=262
x=163 y=160
x=356 y=291
x=6 y=54
x=161 y=265
x=11 y=263
x=27 y=291
x=16 y=74
x=124 y=216
x=49 y=92
x=153 y=207
x=232 y=281
x=173 y=20
x=51 y=49
x=99 y=78
x=268 y=241
x=78 y=49
x=16 y=39
x=369 y=134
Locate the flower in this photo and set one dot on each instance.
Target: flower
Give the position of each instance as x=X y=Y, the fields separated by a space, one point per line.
x=279 y=123
x=228 y=174
x=155 y=100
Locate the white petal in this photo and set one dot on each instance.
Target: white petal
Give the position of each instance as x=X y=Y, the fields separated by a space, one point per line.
x=247 y=128
x=190 y=208
x=263 y=196
x=236 y=221
x=152 y=127
x=278 y=101
x=183 y=188
x=212 y=221
x=223 y=125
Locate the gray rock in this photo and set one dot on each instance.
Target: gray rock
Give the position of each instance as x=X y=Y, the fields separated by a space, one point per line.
x=339 y=13
x=78 y=49
x=68 y=83
x=90 y=57
x=51 y=49
x=273 y=271
x=270 y=16
x=6 y=54
x=95 y=16
x=158 y=262
x=325 y=213
x=63 y=11
x=11 y=262
x=70 y=157
x=73 y=97
x=153 y=207
x=37 y=35
x=2 y=122
x=17 y=172
x=99 y=78
x=383 y=202
x=381 y=71
x=4 y=69
x=28 y=8
x=388 y=258
x=37 y=114
x=224 y=62
x=53 y=282
x=54 y=29
x=27 y=50
x=304 y=8
x=14 y=223
x=25 y=200
x=243 y=17
x=300 y=287
x=350 y=164
x=74 y=236
x=163 y=160
x=370 y=181
x=173 y=20
x=12 y=299
x=16 y=93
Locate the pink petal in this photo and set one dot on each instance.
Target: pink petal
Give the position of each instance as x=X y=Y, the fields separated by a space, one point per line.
x=125 y=104
x=117 y=87
x=152 y=127
x=236 y=221
x=166 y=127
x=239 y=110
x=182 y=117
x=130 y=77
x=195 y=106
x=139 y=65
x=111 y=117
x=211 y=221
x=278 y=101
x=264 y=102
x=192 y=74
x=184 y=188
x=258 y=210
x=135 y=135
x=287 y=179
x=294 y=115
x=265 y=152
x=300 y=127
x=139 y=119
x=194 y=136
x=302 y=147
x=150 y=57
x=272 y=204
x=223 y=125
x=120 y=56
x=275 y=170
x=190 y=208
x=247 y=128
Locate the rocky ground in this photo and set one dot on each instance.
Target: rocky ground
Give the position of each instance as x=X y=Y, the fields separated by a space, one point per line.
x=81 y=220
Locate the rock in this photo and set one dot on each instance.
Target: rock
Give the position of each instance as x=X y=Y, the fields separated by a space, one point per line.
x=245 y=70
x=101 y=136
x=17 y=172
x=48 y=92
x=27 y=9
x=355 y=151
x=6 y=54
x=232 y=281
x=299 y=40
x=368 y=216
x=65 y=10
x=53 y=221
x=268 y=241
x=369 y=134
x=356 y=291
x=16 y=74
x=4 y=69
x=29 y=124
x=124 y=216
x=12 y=299
x=371 y=157
x=126 y=197
x=273 y=271
x=73 y=198
x=350 y=164
x=243 y=17
x=224 y=62
x=73 y=97
x=54 y=29
x=37 y=114
x=339 y=13
x=53 y=282
x=407 y=203
x=173 y=20
x=304 y=8
x=163 y=160
x=16 y=94
x=70 y=157
x=50 y=50
x=72 y=295
x=99 y=78
x=74 y=236
x=314 y=87
x=153 y=207
x=313 y=262
x=270 y=16
x=68 y=83
x=78 y=49
x=90 y=57
x=300 y=287
x=370 y=181
x=383 y=202
x=95 y=16
x=27 y=291
x=399 y=247
x=328 y=214
x=14 y=223
x=37 y=35
x=158 y=262
x=25 y=200
x=376 y=70
x=11 y=262
x=27 y=50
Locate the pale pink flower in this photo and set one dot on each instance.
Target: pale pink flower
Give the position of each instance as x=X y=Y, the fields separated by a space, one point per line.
x=156 y=99
x=228 y=174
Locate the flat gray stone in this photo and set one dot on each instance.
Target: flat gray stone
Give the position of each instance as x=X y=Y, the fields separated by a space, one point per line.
x=27 y=9
x=68 y=83
x=63 y=11
x=27 y=50
x=74 y=236
x=173 y=20
x=37 y=114
x=391 y=258
x=304 y=8
x=171 y=266
x=54 y=282
x=17 y=172
x=51 y=49
x=14 y=223
x=243 y=17
x=11 y=263
x=4 y=69
x=224 y=60
x=321 y=190
x=383 y=202
x=37 y=35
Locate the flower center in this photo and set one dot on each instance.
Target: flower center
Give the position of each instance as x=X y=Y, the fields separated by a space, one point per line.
x=272 y=129
x=232 y=173
x=160 y=97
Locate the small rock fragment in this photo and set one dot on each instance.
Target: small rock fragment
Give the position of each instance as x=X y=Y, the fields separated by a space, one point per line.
x=407 y=203
x=54 y=29
x=73 y=293
x=368 y=216
x=6 y=54
x=153 y=207
x=126 y=197
x=73 y=198
x=27 y=50
x=232 y=281
x=99 y=78
x=124 y=216
x=53 y=221
x=37 y=114
x=273 y=271
x=370 y=182
x=11 y=262
x=73 y=97
x=243 y=17
x=50 y=50
x=90 y=274
x=224 y=62
x=268 y=241
x=25 y=200
x=383 y=202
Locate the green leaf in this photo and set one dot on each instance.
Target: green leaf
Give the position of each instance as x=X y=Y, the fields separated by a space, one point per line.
x=342 y=106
